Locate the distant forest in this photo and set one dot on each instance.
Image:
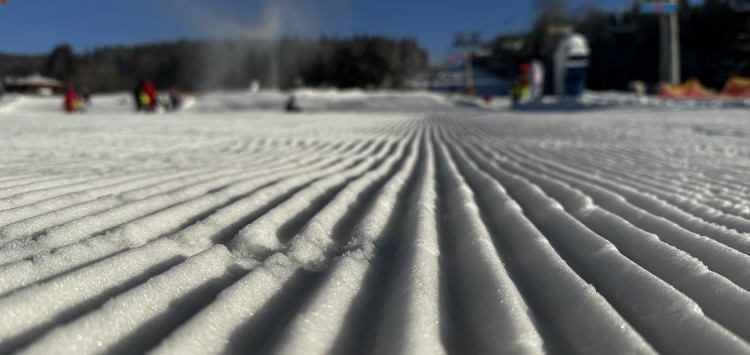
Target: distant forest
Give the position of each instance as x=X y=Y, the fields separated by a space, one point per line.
x=714 y=41
x=364 y=61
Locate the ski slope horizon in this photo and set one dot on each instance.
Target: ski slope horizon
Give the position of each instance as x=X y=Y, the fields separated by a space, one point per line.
x=375 y=223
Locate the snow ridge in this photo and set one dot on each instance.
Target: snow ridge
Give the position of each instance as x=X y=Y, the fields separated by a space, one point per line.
x=374 y=233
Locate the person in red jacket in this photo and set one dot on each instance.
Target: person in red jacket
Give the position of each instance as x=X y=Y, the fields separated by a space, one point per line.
x=146 y=96
x=150 y=90
x=72 y=102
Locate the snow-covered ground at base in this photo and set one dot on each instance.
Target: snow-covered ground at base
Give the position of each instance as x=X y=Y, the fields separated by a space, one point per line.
x=375 y=223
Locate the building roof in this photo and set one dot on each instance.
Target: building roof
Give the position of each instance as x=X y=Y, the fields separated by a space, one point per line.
x=34 y=80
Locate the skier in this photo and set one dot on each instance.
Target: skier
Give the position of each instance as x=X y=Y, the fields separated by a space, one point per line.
x=536 y=78
x=145 y=96
x=523 y=79
x=520 y=91
x=150 y=90
x=86 y=95
x=72 y=102
x=515 y=93
x=174 y=98
x=136 y=98
x=292 y=105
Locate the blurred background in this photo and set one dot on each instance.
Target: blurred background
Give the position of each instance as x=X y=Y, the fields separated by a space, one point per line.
x=474 y=47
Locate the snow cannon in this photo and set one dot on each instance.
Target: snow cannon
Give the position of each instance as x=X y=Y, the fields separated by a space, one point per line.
x=571 y=65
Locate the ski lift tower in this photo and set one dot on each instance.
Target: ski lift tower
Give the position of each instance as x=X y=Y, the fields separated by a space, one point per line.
x=669 y=38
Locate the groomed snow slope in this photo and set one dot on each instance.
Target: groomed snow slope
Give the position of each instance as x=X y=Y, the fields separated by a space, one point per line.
x=374 y=223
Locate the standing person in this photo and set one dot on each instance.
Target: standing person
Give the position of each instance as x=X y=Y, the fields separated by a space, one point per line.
x=86 y=97
x=537 y=80
x=522 y=91
x=515 y=93
x=149 y=90
x=145 y=96
x=292 y=105
x=72 y=101
x=174 y=98
x=137 y=98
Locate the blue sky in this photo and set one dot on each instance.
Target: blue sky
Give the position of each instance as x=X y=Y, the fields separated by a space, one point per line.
x=36 y=26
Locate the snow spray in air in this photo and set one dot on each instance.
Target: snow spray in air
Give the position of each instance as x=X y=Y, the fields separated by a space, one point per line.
x=244 y=37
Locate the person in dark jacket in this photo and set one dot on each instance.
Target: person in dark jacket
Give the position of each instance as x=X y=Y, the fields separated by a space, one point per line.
x=292 y=105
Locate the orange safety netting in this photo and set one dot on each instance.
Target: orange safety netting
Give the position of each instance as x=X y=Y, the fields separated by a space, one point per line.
x=735 y=87
x=691 y=89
